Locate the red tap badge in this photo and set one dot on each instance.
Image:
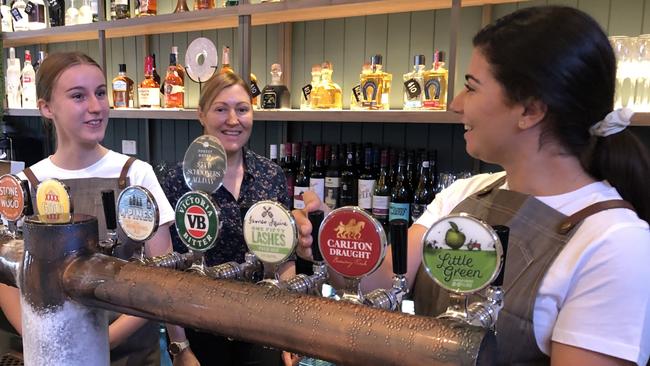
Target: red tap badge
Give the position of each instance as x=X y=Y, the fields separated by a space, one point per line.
x=352 y=242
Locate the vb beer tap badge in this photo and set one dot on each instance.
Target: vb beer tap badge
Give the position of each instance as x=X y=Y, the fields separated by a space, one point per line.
x=462 y=253
x=197 y=221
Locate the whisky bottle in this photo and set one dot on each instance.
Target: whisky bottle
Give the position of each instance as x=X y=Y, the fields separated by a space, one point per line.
x=328 y=93
x=276 y=95
x=225 y=61
x=435 y=84
x=148 y=91
x=375 y=86
x=308 y=91
x=414 y=84
x=122 y=89
x=174 y=85
x=147 y=8
x=401 y=194
x=179 y=68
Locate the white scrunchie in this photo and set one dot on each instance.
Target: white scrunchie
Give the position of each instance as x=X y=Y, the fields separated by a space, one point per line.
x=614 y=122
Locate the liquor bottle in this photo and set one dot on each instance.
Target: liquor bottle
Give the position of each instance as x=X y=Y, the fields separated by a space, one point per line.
x=148 y=91
x=225 y=61
x=179 y=67
x=36 y=14
x=289 y=170
x=414 y=84
x=147 y=8
x=349 y=177
x=356 y=97
x=85 y=13
x=296 y=148
x=94 y=7
x=375 y=86
x=302 y=179
x=174 y=85
x=308 y=95
x=328 y=93
x=317 y=176
x=435 y=84
x=122 y=89
x=283 y=153
x=28 y=78
x=56 y=12
x=366 y=182
x=120 y=9
x=382 y=193
x=72 y=14
x=423 y=194
x=333 y=181
x=202 y=4
x=273 y=153
x=232 y=2
x=20 y=18
x=14 y=99
x=41 y=58
x=181 y=6
x=401 y=194
x=156 y=76
x=276 y=95
x=5 y=11
x=411 y=170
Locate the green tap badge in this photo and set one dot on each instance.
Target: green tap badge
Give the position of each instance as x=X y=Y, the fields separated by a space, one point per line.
x=197 y=221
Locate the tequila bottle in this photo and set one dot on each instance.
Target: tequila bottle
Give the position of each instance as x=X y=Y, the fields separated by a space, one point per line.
x=276 y=95
x=435 y=84
x=328 y=93
x=308 y=95
x=356 y=97
x=375 y=86
x=414 y=84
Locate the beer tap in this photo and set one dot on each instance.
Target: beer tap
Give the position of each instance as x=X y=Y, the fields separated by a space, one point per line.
x=303 y=283
x=108 y=245
x=16 y=203
x=391 y=299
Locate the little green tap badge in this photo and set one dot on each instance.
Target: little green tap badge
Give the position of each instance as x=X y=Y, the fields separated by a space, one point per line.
x=270 y=231
x=461 y=253
x=197 y=221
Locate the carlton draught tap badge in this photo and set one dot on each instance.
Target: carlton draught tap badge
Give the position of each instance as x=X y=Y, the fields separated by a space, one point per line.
x=462 y=254
x=53 y=201
x=197 y=221
x=12 y=198
x=270 y=231
x=137 y=213
x=204 y=164
x=352 y=242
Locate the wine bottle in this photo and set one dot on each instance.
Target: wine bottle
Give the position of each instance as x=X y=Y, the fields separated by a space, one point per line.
x=382 y=193
x=349 y=176
x=401 y=194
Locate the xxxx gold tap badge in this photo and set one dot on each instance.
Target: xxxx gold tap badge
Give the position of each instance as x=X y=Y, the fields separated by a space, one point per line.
x=137 y=213
x=12 y=198
x=197 y=221
x=53 y=201
x=352 y=242
x=204 y=164
x=462 y=253
x=270 y=231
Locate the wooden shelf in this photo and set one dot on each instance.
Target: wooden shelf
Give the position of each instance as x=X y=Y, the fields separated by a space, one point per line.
x=396 y=116
x=267 y=13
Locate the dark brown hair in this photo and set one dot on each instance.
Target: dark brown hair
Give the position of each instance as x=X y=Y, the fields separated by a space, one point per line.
x=216 y=85
x=53 y=66
x=561 y=56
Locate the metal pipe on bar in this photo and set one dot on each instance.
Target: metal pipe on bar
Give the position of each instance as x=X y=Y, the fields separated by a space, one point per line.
x=11 y=254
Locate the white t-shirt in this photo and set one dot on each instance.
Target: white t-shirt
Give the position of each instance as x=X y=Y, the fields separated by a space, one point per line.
x=110 y=166
x=596 y=294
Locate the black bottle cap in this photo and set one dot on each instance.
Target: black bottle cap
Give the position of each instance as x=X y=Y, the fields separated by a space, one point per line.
x=376 y=60
x=441 y=56
x=316 y=219
x=122 y=68
x=108 y=201
x=399 y=245
x=418 y=60
x=503 y=232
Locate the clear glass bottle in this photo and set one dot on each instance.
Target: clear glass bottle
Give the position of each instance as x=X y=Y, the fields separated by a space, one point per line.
x=276 y=95
x=5 y=10
x=14 y=99
x=85 y=13
x=149 y=89
x=21 y=21
x=72 y=14
x=414 y=84
x=308 y=95
x=435 y=84
x=28 y=79
x=375 y=86
x=328 y=93
x=37 y=14
x=122 y=89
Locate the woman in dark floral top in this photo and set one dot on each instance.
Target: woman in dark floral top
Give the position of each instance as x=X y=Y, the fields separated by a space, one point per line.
x=226 y=112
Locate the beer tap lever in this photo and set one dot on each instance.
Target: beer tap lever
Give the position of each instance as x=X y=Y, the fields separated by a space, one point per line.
x=108 y=201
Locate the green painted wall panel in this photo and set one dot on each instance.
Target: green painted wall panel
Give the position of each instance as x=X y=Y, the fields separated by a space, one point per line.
x=598 y=9
x=354 y=55
x=625 y=17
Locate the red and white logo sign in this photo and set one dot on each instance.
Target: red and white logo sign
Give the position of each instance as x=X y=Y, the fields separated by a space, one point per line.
x=196 y=222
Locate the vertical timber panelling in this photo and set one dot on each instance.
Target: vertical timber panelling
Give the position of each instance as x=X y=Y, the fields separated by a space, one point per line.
x=598 y=9
x=354 y=56
x=626 y=17
x=398 y=55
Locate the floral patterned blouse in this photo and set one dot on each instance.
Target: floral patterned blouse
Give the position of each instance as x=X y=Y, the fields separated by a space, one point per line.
x=263 y=180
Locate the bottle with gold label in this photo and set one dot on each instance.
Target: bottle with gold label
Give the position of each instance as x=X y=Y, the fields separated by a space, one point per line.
x=435 y=84
x=122 y=89
x=328 y=93
x=375 y=86
x=308 y=95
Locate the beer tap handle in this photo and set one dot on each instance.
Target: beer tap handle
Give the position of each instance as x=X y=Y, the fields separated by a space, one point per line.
x=108 y=201
x=399 y=245
x=503 y=232
x=29 y=208
x=316 y=219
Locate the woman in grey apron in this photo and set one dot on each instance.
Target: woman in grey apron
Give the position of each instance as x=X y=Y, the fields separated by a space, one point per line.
x=72 y=96
x=538 y=101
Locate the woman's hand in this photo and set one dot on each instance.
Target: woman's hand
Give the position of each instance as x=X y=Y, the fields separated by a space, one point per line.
x=290 y=359
x=312 y=203
x=186 y=358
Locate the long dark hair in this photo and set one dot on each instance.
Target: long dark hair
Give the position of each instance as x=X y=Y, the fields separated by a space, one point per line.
x=561 y=56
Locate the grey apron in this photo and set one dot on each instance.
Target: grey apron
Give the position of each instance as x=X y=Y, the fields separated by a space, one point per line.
x=142 y=347
x=537 y=235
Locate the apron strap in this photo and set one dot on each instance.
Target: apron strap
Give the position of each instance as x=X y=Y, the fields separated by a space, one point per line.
x=125 y=170
x=498 y=183
x=573 y=220
x=31 y=178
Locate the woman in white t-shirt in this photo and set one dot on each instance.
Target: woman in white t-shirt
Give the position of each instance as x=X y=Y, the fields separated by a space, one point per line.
x=72 y=95
x=538 y=101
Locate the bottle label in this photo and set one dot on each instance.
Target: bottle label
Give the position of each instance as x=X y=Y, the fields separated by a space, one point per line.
x=149 y=97
x=53 y=5
x=432 y=89
x=370 y=92
x=356 y=92
x=306 y=90
x=29 y=8
x=380 y=206
x=120 y=99
x=36 y=12
x=15 y=13
x=412 y=88
x=255 y=90
x=366 y=187
x=417 y=209
x=121 y=2
x=298 y=201
x=270 y=100
x=332 y=191
x=119 y=85
x=27 y=79
x=399 y=211
x=317 y=185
